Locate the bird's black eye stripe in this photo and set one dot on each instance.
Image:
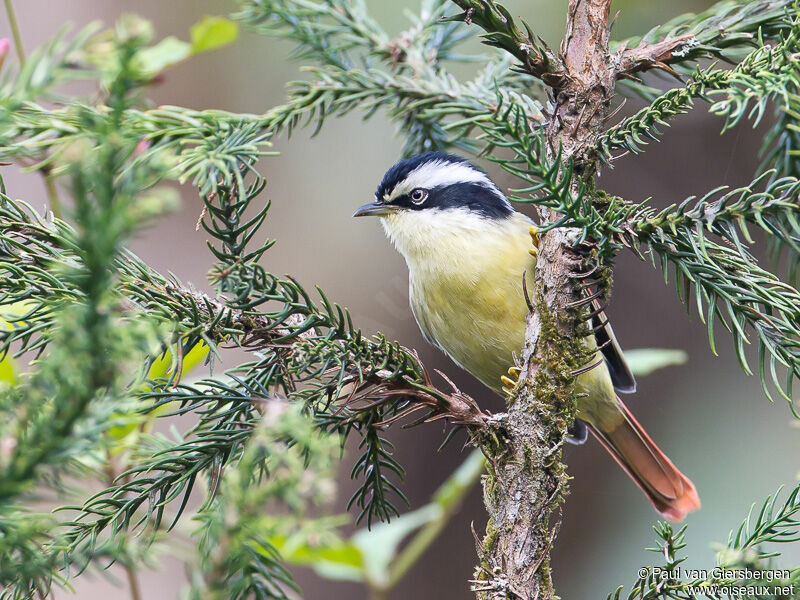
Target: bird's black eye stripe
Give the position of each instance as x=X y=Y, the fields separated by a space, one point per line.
x=472 y=196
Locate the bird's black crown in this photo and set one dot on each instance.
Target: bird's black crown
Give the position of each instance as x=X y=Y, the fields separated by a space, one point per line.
x=402 y=169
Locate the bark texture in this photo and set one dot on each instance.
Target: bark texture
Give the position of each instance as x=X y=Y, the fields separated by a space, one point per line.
x=526 y=477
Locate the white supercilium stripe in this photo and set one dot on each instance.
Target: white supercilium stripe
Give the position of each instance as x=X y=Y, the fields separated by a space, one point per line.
x=442 y=173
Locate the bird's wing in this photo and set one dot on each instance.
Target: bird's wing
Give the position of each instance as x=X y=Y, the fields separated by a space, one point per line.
x=621 y=376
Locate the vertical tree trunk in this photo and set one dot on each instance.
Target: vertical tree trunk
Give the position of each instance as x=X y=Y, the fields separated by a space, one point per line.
x=526 y=477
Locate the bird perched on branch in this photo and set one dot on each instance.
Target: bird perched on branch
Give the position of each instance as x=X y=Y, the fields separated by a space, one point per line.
x=467 y=249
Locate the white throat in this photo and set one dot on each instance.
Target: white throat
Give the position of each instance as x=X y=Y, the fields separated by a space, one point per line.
x=444 y=239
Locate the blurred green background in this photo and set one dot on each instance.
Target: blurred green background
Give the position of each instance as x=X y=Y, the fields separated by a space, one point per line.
x=712 y=420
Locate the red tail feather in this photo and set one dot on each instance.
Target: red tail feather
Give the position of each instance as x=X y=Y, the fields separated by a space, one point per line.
x=669 y=491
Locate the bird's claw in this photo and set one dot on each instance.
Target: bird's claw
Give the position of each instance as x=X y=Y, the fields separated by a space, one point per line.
x=534 y=231
x=510 y=383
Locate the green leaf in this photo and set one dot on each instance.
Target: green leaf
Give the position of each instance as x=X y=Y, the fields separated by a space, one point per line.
x=7 y=372
x=212 y=33
x=7 y=367
x=379 y=545
x=168 y=52
x=342 y=561
x=452 y=491
x=162 y=368
x=644 y=361
x=370 y=553
x=209 y=34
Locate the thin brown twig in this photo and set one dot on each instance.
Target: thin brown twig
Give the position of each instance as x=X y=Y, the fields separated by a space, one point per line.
x=650 y=56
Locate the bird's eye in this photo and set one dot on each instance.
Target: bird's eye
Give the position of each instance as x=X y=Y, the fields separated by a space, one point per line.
x=419 y=195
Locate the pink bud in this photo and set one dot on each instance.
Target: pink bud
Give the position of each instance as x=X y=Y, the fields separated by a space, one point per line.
x=141 y=148
x=5 y=46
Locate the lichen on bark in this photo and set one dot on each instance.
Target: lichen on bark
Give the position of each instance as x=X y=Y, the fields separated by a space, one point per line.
x=527 y=480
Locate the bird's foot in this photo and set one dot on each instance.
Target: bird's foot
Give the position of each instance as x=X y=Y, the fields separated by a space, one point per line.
x=534 y=231
x=510 y=382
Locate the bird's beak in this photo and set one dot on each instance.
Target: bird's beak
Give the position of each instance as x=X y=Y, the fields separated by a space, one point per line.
x=376 y=209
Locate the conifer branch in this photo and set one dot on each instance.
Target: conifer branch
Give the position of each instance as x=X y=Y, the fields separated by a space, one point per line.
x=57 y=404
x=551 y=183
x=502 y=32
x=287 y=463
x=436 y=113
x=728 y=27
x=744 y=553
x=779 y=153
x=774 y=210
x=312 y=352
x=781 y=145
x=326 y=32
x=767 y=74
x=729 y=284
x=526 y=478
x=634 y=132
x=433 y=109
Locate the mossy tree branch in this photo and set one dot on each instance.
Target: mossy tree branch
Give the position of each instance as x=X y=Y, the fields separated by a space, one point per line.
x=527 y=478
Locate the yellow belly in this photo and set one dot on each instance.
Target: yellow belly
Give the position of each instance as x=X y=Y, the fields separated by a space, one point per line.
x=472 y=306
x=477 y=318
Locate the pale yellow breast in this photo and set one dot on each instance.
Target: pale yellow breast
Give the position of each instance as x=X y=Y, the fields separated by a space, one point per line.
x=469 y=301
x=466 y=292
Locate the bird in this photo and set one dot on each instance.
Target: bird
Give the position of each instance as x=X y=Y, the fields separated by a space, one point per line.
x=467 y=250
